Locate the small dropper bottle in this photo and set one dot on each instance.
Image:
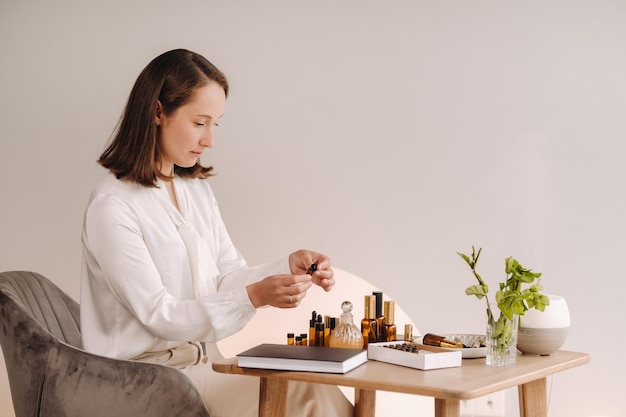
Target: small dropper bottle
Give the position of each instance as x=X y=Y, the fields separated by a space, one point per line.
x=319 y=333
x=312 y=328
x=326 y=331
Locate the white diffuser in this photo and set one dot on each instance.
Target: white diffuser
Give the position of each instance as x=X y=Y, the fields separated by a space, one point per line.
x=544 y=332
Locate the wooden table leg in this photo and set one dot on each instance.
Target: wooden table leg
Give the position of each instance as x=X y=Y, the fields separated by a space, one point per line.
x=447 y=408
x=273 y=397
x=533 y=399
x=364 y=402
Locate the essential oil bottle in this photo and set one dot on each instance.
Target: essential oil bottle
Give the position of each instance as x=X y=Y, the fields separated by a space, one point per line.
x=380 y=318
x=389 y=329
x=312 y=328
x=369 y=325
x=319 y=334
x=327 y=331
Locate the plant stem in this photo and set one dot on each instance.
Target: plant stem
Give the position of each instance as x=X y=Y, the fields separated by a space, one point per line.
x=481 y=282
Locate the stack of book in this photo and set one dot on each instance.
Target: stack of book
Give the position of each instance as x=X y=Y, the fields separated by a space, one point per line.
x=302 y=358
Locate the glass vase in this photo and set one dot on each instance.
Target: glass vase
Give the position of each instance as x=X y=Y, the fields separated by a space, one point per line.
x=501 y=338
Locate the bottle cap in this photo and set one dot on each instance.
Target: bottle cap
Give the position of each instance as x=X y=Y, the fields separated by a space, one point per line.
x=390 y=316
x=408 y=332
x=370 y=300
x=379 y=302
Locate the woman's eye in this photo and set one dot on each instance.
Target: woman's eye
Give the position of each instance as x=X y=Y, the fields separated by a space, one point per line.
x=199 y=124
x=216 y=124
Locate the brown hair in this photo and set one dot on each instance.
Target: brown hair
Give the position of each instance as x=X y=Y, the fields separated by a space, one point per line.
x=171 y=78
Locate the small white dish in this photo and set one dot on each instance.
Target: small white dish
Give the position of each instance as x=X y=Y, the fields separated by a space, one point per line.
x=467 y=340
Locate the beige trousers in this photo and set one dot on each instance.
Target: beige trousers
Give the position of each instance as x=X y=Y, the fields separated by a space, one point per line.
x=238 y=396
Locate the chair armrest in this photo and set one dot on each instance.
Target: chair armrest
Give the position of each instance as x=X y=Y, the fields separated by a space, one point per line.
x=81 y=384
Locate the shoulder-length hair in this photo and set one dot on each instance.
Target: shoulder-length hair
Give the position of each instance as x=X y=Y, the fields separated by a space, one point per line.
x=171 y=78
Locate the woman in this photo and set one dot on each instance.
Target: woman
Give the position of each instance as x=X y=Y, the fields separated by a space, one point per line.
x=162 y=281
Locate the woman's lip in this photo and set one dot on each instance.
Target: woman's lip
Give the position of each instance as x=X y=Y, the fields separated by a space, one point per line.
x=196 y=153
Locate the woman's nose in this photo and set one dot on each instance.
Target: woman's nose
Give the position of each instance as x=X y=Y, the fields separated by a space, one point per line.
x=208 y=139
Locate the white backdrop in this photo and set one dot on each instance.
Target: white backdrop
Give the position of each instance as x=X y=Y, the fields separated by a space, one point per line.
x=389 y=135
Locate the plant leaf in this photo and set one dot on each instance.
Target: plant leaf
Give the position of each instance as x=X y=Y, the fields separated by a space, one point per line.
x=465 y=257
x=478 y=290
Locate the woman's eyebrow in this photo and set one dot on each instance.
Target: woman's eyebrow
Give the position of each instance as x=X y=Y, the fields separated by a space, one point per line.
x=208 y=116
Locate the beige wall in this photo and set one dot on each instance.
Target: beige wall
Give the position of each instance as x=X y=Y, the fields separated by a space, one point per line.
x=387 y=134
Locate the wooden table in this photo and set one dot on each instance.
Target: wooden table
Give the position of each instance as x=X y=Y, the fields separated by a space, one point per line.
x=447 y=386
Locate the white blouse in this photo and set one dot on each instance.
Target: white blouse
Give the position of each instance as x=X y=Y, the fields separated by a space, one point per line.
x=153 y=276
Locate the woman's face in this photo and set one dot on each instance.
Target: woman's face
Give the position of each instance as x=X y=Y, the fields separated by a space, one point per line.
x=184 y=134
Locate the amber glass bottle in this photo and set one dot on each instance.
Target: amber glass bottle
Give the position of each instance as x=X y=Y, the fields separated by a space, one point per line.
x=319 y=334
x=327 y=330
x=380 y=318
x=389 y=329
x=369 y=326
x=312 y=328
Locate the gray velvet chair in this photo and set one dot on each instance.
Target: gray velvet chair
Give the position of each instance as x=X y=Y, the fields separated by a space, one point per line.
x=51 y=376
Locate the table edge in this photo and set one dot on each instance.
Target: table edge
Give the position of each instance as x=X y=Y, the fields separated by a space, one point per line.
x=229 y=366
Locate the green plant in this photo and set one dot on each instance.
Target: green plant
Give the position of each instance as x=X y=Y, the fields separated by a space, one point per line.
x=511 y=298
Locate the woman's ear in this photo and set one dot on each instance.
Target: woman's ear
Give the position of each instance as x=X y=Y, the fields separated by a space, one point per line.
x=158 y=113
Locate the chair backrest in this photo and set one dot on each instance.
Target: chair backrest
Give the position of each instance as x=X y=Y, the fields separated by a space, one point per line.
x=43 y=301
x=34 y=313
x=50 y=374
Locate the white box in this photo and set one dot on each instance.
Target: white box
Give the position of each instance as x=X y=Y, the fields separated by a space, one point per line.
x=427 y=357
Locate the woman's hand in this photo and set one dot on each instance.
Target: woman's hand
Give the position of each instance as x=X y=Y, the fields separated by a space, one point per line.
x=300 y=262
x=283 y=291
x=287 y=291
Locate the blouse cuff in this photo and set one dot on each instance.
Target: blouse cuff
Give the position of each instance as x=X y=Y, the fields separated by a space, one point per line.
x=278 y=267
x=241 y=295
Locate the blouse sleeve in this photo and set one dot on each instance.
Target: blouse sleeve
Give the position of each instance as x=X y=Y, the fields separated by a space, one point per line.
x=119 y=260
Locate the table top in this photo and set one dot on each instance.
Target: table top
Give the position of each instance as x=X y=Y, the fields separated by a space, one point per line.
x=471 y=380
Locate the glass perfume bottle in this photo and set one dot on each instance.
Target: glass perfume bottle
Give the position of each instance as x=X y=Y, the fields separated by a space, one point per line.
x=346 y=334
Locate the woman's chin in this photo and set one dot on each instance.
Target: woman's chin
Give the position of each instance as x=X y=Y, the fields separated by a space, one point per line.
x=188 y=164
